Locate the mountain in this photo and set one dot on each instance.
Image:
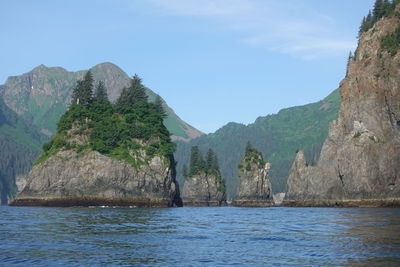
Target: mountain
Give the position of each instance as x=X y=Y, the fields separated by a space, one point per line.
x=277 y=136
x=42 y=95
x=359 y=163
x=32 y=103
x=20 y=144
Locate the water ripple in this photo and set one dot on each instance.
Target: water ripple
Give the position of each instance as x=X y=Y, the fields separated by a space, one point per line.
x=199 y=236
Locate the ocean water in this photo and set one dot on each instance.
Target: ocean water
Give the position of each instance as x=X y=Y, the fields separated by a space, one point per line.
x=217 y=236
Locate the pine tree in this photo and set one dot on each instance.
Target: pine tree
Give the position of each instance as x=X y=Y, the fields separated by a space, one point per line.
x=362 y=26
x=77 y=93
x=159 y=106
x=210 y=159
x=87 y=89
x=197 y=163
x=133 y=94
x=100 y=95
x=349 y=59
x=137 y=89
x=378 y=10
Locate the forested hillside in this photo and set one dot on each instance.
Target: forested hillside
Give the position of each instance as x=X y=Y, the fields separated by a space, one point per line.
x=20 y=144
x=277 y=136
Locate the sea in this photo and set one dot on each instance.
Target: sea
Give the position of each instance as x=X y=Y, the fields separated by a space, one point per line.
x=199 y=236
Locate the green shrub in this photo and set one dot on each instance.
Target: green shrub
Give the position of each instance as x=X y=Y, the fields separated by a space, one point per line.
x=391 y=42
x=112 y=133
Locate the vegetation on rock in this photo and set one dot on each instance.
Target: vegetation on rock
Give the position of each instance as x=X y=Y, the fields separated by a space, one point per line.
x=251 y=155
x=391 y=42
x=277 y=136
x=381 y=9
x=20 y=144
x=120 y=131
x=208 y=166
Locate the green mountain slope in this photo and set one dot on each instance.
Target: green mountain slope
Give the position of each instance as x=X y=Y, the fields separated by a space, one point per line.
x=42 y=95
x=20 y=144
x=277 y=136
x=31 y=104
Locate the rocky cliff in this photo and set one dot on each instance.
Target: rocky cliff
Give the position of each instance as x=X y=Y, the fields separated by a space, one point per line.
x=92 y=179
x=204 y=189
x=104 y=154
x=359 y=163
x=254 y=187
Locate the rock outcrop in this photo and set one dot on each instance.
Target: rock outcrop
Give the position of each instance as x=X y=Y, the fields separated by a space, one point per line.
x=204 y=189
x=105 y=155
x=359 y=163
x=254 y=186
x=92 y=179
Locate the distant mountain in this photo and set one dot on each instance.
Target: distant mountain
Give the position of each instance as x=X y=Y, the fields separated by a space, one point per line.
x=20 y=144
x=277 y=136
x=42 y=95
x=32 y=103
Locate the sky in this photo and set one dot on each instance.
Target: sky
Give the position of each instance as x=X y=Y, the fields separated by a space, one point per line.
x=213 y=61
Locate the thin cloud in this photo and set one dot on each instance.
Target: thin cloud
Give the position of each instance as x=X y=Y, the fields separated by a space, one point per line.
x=285 y=27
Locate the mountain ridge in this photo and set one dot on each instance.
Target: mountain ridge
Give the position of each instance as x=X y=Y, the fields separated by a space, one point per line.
x=43 y=94
x=277 y=136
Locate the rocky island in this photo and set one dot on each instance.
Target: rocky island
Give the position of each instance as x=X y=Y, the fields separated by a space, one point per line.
x=106 y=155
x=254 y=186
x=203 y=185
x=359 y=163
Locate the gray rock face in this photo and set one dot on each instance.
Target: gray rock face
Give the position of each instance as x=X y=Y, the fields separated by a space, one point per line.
x=203 y=190
x=254 y=186
x=360 y=160
x=70 y=179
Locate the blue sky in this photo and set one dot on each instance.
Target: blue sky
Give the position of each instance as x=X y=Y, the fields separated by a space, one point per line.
x=213 y=61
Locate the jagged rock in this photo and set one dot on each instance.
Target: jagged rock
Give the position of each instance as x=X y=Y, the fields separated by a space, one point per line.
x=92 y=179
x=254 y=186
x=359 y=163
x=204 y=189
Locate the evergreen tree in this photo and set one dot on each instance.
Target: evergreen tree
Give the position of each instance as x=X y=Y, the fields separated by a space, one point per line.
x=100 y=95
x=350 y=58
x=387 y=8
x=159 y=106
x=362 y=26
x=378 y=10
x=210 y=159
x=133 y=94
x=197 y=163
x=77 y=93
x=87 y=89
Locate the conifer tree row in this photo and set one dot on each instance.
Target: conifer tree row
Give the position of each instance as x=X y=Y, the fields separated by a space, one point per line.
x=131 y=95
x=113 y=129
x=100 y=95
x=381 y=9
x=198 y=164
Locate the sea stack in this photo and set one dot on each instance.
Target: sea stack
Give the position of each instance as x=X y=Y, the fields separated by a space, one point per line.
x=106 y=155
x=359 y=163
x=253 y=186
x=203 y=184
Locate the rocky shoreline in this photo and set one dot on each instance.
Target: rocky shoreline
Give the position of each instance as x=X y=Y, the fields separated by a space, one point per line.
x=94 y=201
x=372 y=203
